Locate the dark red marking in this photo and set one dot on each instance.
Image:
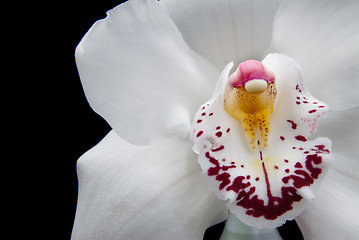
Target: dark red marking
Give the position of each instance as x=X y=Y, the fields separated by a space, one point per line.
x=218 y=149
x=301 y=138
x=321 y=149
x=309 y=165
x=276 y=206
x=312 y=111
x=276 y=167
x=297 y=103
x=210 y=114
x=257 y=178
x=203 y=114
x=199 y=133
x=321 y=106
x=219 y=134
x=238 y=184
x=224 y=177
x=215 y=170
x=218 y=127
x=203 y=107
x=294 y=125
x=287 y=170
x=298 y=181
x=298 y=165
x=285 y=160
x=199 y=120
x=282 y=138
x=261 y=155
x=228 y=130
x=298 y=88
x=305 y=102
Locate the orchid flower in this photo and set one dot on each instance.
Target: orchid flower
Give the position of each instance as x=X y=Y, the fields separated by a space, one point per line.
x=246 y=107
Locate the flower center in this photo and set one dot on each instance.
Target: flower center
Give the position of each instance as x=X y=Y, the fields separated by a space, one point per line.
x=250 y=99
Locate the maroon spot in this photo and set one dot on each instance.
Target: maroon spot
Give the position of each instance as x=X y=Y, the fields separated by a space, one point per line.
x=298 y=89
x=219 y=134
x=282 y=138
x=210 y=114
x=285 y=160
x=315 y=102
x=294 y=125
x=321 y=149
x=309 y=165
x=204 y=114
x=218 y=127
x=276 y=167
x=199 y=133
x=199 y=120
x=299 y=181
x=321 y=106
x=312 y=111
x=224 y=177
x=305 y=101
x=218 y=149
x=228 y=130
x=257 y=178
x=297 y=103
x=287 y=170
x=248 y=177
x=203 y=107
x=301 y=138
x=298 y=165
x=298 y=98
x=238 y=184
x=242 y=166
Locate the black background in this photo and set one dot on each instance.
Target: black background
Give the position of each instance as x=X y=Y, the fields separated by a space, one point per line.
x=60 y=125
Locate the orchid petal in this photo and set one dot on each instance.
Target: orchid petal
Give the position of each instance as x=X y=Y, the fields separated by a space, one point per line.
x=338 y=197
x=143 y=192
x=225 y=31
x=268 y=186
x=322 y=36
x=333 y=215
x=139 y=74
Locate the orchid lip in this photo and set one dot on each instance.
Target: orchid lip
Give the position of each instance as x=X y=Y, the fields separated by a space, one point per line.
x=258 y=158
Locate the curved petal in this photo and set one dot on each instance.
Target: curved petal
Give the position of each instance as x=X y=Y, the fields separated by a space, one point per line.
x=333 y=214
x=139 y=74
x=225 y=31
x=322 y=36
x=343 y=128
x=336 y=204
x=143 y=192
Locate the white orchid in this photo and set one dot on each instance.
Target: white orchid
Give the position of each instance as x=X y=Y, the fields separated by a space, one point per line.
x=161 y=73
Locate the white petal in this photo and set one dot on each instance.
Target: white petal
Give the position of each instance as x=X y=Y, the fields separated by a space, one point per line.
x=343 y=128
x=337 y=202
x=334 y=213
x=225 y=31
x=139 y=74
x=322 y=36
x=143 y=192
